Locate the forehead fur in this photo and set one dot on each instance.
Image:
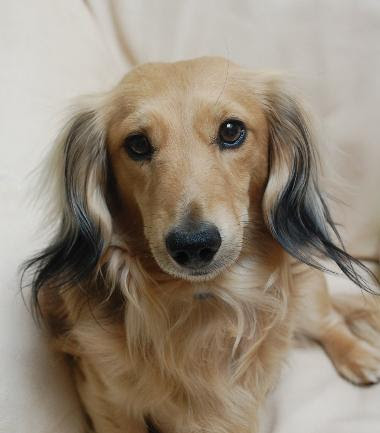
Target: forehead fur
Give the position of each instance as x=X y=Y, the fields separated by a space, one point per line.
x=179 y=95
x=205 y=73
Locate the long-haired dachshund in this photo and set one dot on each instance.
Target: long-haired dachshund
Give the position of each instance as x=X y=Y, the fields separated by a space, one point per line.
x=189 y=237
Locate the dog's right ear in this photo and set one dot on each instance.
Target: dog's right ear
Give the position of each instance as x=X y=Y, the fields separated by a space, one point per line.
x=77 y=171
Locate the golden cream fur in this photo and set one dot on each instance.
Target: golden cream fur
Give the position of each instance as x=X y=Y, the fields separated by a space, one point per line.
x=188 y=204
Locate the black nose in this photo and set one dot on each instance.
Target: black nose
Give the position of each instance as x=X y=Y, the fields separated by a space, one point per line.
x=194 y=246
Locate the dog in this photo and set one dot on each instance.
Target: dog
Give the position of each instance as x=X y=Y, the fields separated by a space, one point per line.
x=187 y=254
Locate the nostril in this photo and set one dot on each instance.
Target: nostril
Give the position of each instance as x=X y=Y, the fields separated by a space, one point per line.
x=181 y=257
x=206 y=254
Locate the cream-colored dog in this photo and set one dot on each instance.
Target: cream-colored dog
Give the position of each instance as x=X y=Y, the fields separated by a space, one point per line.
x=190 y=227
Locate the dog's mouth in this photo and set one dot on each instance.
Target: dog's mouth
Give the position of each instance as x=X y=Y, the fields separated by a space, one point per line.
x=201 y=272
x=191 y=274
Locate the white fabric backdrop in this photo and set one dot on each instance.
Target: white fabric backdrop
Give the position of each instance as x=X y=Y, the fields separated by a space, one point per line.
x=54 y=51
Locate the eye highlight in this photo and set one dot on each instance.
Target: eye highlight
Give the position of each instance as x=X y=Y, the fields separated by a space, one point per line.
x=138 y=147
x=231 y=134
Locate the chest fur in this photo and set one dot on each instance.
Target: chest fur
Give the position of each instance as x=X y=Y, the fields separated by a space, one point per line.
x=212 y=355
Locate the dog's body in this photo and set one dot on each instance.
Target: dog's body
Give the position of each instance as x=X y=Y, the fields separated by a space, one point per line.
x=168 y=283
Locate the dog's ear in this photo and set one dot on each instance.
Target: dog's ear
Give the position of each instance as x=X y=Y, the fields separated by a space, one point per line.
x=77 y=171
x=294 y=207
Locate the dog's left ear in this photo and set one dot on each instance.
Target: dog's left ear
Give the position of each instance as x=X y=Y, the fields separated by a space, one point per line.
x=294 y=208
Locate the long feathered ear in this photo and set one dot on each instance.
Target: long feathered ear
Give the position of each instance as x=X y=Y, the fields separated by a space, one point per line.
x=77 y=171
x=295 y=210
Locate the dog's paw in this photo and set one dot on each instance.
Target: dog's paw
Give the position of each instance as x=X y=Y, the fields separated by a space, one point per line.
x=359 y=363
x=354 y=344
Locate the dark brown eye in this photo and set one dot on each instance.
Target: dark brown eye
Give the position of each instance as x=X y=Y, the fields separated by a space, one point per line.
x=231 y=134
x=138 y=147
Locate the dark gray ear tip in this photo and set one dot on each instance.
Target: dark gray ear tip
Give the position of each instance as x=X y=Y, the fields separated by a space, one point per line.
x=67 y=262
x=301 y=231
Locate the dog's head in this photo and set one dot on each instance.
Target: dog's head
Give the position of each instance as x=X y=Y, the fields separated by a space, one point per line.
x=182 y=162
x=188 y=149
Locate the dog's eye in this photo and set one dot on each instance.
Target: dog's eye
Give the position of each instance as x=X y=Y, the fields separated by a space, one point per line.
x=231 y=134
x=138 y=147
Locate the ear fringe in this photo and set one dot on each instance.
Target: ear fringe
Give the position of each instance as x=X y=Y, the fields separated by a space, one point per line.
x=300 y=234
x=74 y=254
x=296 y=212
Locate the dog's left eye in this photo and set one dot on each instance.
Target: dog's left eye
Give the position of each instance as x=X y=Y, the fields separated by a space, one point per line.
x=231 y=134
x=138 y=147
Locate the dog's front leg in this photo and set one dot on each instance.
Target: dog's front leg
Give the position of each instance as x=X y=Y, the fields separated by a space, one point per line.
x=354 y=356
x=105 y=412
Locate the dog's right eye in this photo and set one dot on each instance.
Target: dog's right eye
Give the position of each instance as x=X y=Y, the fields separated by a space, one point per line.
x=138 y=147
